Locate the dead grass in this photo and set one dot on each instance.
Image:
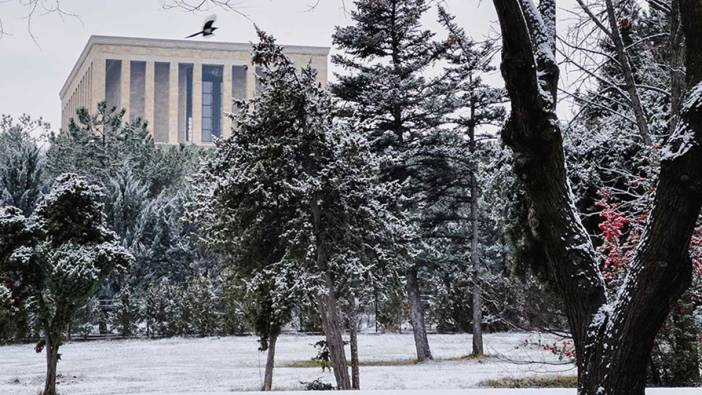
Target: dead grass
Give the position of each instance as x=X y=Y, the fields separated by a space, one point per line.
x=548 y=381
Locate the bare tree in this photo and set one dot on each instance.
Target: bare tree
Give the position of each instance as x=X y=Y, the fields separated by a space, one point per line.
x=35 y=8
x=613 y=334
x=207 y=5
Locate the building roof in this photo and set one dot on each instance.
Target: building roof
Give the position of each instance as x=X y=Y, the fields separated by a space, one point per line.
x=177 y=44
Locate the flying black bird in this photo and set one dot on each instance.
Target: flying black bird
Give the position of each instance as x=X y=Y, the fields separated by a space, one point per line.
x=207 y=28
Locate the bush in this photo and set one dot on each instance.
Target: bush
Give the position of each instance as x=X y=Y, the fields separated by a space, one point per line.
x=317 y=385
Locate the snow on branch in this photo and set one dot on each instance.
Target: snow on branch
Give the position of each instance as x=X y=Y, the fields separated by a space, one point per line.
x=684 y=137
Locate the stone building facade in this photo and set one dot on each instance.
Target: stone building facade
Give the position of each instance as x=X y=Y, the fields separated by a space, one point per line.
x=181 y=88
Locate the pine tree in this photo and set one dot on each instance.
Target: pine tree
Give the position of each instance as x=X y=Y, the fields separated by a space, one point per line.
x=383 y=88
x=476 y=106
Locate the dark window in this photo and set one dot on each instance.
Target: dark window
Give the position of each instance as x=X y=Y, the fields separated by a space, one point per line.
x=113 y=78
x=211 y=103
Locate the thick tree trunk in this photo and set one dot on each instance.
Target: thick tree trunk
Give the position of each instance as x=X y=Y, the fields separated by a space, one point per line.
x=613 y=335
x=52 y=356
x=353 y=331
x=417 y=316
x=270 y=363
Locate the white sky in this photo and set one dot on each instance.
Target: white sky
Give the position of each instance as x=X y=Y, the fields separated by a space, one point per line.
x=32 y=73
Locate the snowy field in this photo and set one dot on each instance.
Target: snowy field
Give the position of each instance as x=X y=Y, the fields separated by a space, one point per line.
x=224 y=365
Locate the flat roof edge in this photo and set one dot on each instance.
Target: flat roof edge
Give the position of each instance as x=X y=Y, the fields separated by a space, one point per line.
x=180 y=44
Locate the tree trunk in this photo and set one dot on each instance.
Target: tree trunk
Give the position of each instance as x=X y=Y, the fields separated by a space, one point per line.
x=474 y=241
x=270 y=363
x=613 y=334
x=353 y=331
x=328 y=308
x=477 y=315
x=332 y=331
x=52 y=356
x=417 y=316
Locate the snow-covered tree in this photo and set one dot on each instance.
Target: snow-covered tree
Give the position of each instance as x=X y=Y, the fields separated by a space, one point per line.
x=146 y=193
x=614 y=171
x=161 y=311
x=126 y=313
x=201 y=299
x=293 y=201
x=383 y=88
x=21 y=162
x=613 y=333
x=58 y=257
x=21 y=186
x=477 y=107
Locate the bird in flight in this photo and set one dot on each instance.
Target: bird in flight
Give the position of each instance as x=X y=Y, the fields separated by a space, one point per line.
x=208 y=28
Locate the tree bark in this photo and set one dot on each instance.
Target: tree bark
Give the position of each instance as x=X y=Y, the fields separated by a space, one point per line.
x=270 y=363
x=613 y=335
x=474 y=242
x=417 y=316
x=52 y=356
x=353 y=332
x=328 y=305
x=332 y=331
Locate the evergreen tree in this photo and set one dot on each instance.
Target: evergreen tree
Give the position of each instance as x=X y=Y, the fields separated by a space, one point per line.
x=146 y=194
x=126 y=313
x=21 y=185
x=58 y=257
x=476 y=106
x=202 y=299
x=294 y=203
x=21 y=163
x=383 y=89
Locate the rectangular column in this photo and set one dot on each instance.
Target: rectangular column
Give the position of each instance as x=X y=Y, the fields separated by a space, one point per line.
x=173 y=103
x=197 y=104
x=98 y=83
x=227 y=101
x=149 y=93
x=124 y=81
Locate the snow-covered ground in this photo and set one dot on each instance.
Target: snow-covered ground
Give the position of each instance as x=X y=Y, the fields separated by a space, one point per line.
x=197 y=365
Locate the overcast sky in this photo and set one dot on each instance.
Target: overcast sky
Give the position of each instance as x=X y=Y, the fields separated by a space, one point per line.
x=31 y=73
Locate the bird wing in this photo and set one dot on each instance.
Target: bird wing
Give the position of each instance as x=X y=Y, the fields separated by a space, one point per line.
x=209 y=22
